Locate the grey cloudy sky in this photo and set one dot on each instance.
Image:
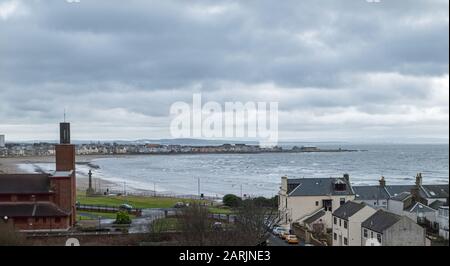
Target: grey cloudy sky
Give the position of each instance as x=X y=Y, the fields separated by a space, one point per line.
x=340 y=70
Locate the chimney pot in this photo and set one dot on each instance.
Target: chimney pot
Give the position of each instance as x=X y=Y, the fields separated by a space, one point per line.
x=419 y=179
x=382 y=182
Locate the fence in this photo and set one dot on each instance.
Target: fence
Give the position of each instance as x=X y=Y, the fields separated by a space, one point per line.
x=108 y=209
x=158 y=195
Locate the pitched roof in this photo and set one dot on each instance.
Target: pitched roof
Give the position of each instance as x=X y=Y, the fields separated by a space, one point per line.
x=348 y=209
x=419 y=207
x=436 y=191
x=318 y=186
x=315 y=217
x=370 y=193
x=24 y=183
x=436 y=204
x=395 y=190
x=402 y=196
x=30 y=210
x=380 y=221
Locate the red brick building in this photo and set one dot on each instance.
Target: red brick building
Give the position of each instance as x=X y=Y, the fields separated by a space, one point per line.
x=41 y=202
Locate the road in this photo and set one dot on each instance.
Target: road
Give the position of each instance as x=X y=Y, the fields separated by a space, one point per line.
x=275 y=241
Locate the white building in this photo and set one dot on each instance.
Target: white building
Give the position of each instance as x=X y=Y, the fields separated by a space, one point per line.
x=2 y=141
x=347 y=221
x=388 y=229
x=442 y=220
x=300 y=199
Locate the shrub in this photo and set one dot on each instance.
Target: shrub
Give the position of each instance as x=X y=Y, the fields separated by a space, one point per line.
x=123 y=218
x=231 y=200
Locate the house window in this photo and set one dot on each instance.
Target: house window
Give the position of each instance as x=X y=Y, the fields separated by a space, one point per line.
x=379 y=238
x=345 y=224
x=375 y=203
x=340 y=222
x=327 y=205
x=342 y=201
x=371 y=234
x=317 y=203
x=335 y=220
x=335 y=236
x=345 y=241
x=366 y=234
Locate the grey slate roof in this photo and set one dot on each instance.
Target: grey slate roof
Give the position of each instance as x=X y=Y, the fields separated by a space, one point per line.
x=348 y=209
x=421 y=208
x=30 y=210
x=436 y=191
x=436 y=204
x=24 y=183
x=402 y=196
x=317 y=187
x=380 y=193
x=315 y=217
x=370 y=193
x=395 y=190
x=380 y=221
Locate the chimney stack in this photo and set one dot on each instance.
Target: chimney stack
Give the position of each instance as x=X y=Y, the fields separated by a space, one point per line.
x=347 y=177
x=419 y=179
x=382 y=182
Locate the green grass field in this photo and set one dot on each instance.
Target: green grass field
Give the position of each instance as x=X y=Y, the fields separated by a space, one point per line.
x=165 y=225
x=216 y=210
x=135 y=201
x=141 y=202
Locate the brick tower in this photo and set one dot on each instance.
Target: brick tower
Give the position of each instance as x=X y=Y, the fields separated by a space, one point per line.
x=64 y=179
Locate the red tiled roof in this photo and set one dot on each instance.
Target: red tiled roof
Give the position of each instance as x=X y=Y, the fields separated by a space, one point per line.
x=30 y=210
x=24 y=183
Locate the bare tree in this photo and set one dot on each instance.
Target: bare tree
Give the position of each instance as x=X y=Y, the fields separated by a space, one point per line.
x=251 y=226
x=195 y=225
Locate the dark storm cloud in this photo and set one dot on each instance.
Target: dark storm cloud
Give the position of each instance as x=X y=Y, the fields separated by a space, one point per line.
x=108 y=60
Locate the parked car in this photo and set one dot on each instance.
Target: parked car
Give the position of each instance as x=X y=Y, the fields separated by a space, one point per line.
x=275 y=230
x=280 y=231
x=284 y=235
x=180 y=205
x=126 y=207
x=218 y=226
x=292 y=239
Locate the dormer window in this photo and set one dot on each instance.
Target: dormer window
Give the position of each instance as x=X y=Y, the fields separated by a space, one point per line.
x=340 y=185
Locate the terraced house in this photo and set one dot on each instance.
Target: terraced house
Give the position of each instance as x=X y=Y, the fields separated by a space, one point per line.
x=300 y=199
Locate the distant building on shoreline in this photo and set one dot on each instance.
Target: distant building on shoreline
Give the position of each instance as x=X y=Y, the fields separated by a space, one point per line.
x=2 y=141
